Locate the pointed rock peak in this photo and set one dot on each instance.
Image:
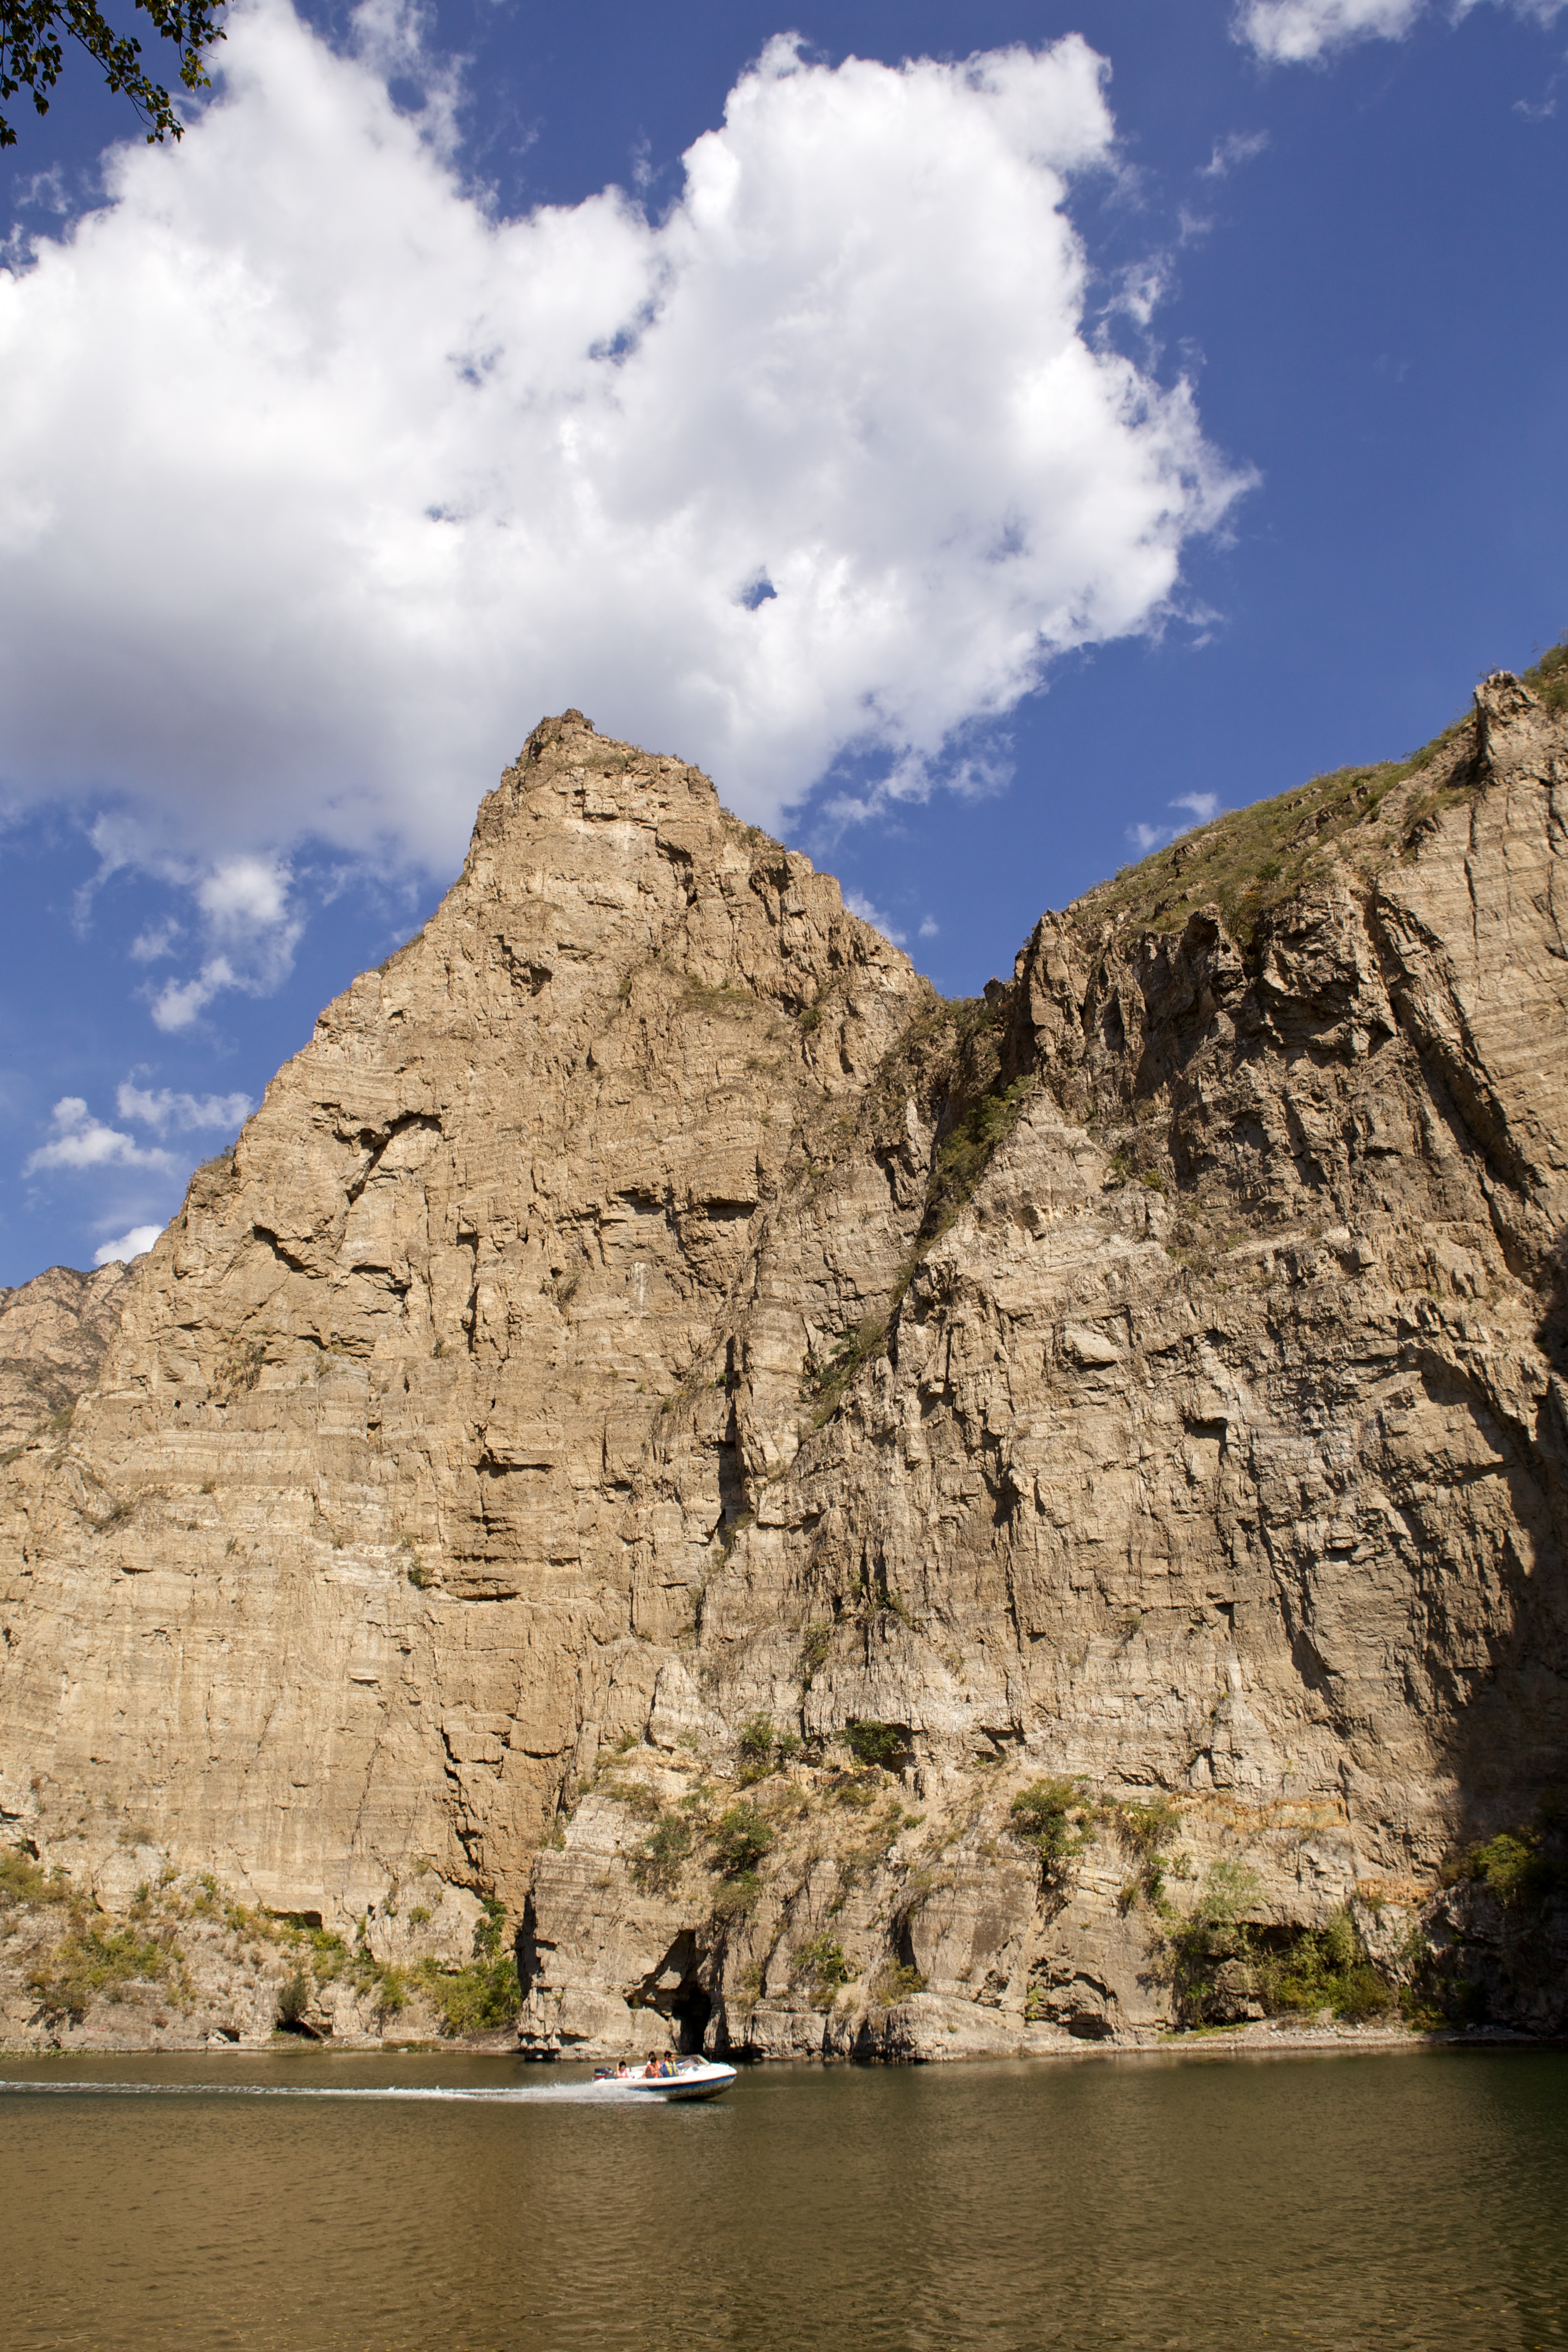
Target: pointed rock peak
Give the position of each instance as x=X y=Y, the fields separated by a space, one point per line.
x=592 y=862
x=1501 y=694
x=1510 y=722
x=568 y=773
x=551 y=733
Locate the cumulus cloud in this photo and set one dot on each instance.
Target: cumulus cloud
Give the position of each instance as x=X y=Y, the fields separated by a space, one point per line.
x=79 y=1141
x=165 y=1110
x=129 y=1245
x=1296 y=32
x=244 y=903
x=396 y=476
x=180 y=1003
x=1300 y=32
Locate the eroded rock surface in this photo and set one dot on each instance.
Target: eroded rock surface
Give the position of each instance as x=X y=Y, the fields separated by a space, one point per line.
x=54 y=1332
x=645 y=1327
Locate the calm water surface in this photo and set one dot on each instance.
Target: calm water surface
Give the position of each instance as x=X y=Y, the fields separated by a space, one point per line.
x=1336 y=2201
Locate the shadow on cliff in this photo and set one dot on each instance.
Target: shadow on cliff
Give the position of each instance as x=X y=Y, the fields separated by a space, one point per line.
x=1507 y=1746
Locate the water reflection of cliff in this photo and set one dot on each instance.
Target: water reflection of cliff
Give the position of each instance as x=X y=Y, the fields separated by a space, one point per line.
x=1337 y=2201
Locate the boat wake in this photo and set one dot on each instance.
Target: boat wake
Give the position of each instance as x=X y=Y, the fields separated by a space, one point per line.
x=596 y=2095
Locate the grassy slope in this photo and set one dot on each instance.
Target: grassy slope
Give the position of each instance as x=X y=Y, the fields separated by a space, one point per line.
x=1255 y=858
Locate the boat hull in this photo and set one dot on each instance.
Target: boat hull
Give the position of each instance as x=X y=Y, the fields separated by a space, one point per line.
x=706 y=2081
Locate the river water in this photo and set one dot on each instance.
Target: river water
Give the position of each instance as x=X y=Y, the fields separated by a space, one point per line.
x=1338 y=2200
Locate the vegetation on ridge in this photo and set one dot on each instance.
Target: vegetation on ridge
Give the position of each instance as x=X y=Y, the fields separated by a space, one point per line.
x=1254 y=858
x=1548 y=678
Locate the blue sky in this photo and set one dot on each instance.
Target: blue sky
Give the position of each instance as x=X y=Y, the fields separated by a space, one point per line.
x=1132 y=409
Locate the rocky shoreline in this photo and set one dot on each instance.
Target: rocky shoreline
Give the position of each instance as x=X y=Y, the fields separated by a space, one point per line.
x=1277 y=2037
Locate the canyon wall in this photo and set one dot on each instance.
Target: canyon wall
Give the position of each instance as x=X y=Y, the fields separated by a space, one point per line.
x=665 y=1423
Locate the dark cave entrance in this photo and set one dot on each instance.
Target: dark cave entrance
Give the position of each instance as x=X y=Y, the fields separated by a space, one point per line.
x=674 y=1989
x=691 y=2009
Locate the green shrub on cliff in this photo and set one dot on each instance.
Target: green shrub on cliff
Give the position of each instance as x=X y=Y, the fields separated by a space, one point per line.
x=1213 y=1938
x=741 y=1840
x=822 y=1961
x=882 y=1744
x=1549 y=676
x=100 y=1960
x=829 y=1382
x=897 y=1981
x=294 y=1999
x=1527 y=1863
x=736 y=1896
x=756 y=1743
x=1222 y=1963
x=965 y=1152
x=1510 y=1863
x=1050 y=1816
x=1514 y=1865
x=480 y=1999
x=1323 y=1967
x=23 y=1880
x=1147 y=1828
x=658 y=1865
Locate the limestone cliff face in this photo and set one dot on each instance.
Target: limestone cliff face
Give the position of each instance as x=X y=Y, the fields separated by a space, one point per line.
x=54 y=1333
x=329 y=1570
x=645 y=1327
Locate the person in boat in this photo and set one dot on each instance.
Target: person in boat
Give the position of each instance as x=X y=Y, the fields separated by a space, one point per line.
x=622 y=2072
x=652 y=2071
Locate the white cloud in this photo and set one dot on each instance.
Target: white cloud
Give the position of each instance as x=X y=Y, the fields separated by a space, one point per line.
x=180 y=1002
x=1237 y=147
x=858 y=904
x=157 y=941
x=415 y=475
x=165 y=1108
x=1300 y=32
x=1203 y=805
x=930 y=928
x=79 y=1141
x=245 y=897
x=1143 y=287
x=243 y=903
x=129 y=1245
x=1296 y=32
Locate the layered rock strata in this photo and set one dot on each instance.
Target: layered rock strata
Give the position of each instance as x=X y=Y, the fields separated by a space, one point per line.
x=647 y=1347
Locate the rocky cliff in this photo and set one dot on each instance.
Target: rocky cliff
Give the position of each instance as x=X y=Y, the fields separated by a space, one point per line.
x=865 y=1524
x=54 y=1333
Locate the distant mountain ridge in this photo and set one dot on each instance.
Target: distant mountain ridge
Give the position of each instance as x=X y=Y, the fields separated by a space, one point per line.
x=54 y=1331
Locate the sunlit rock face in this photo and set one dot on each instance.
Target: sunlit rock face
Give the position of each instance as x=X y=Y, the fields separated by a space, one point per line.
x=645 y=1336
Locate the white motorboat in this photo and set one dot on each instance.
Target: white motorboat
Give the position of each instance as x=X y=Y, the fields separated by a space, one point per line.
x=694 y=2078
